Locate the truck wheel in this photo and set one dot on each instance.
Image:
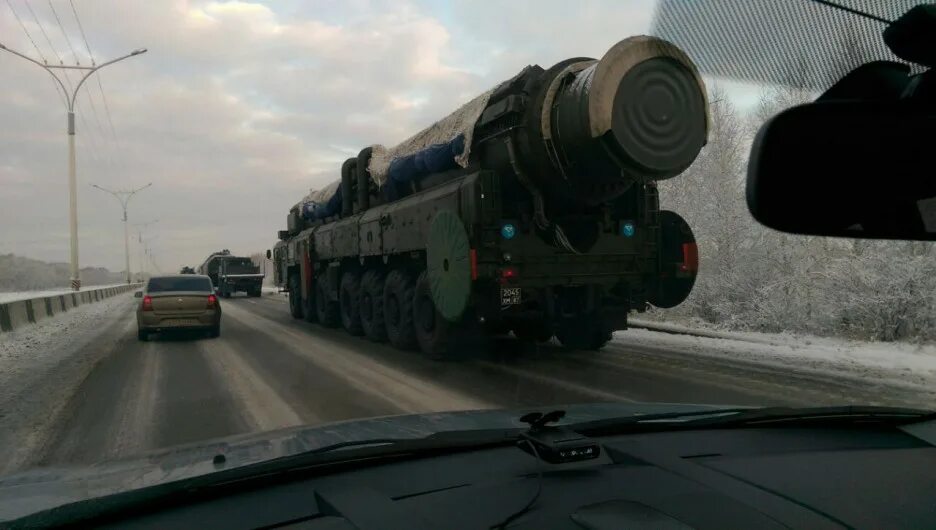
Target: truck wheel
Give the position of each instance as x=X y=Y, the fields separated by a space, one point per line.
x=142 y=335
x=432 y=330
x=349 y=302
x=255 y=292
x=398 y=309
x=215 y=331
x=225 y=292
x=295 y=296
x=537 y=331
x=589 y=332
x=372 y=310
x=325 y=309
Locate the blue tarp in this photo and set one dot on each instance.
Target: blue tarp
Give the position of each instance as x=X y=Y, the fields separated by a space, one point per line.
x=313 y=211
x=432 y=159
x=402 y=171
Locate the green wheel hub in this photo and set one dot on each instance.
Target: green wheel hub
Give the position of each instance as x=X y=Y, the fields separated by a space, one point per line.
x=448 y=265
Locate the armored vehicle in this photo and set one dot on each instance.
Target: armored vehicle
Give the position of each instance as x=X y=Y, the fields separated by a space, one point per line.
x=532 y=209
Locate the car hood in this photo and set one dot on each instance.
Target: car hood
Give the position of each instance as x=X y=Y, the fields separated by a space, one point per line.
x=44 y=488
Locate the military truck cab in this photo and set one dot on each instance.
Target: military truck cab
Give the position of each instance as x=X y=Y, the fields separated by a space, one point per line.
x=232 y=274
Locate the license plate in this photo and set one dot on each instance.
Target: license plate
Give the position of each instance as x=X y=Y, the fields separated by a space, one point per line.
x=510 y=295
x=173 y=322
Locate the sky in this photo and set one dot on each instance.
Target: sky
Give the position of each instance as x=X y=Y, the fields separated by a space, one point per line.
x=239 y=108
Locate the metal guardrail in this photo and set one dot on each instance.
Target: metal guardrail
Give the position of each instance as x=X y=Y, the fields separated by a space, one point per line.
x=14 y=315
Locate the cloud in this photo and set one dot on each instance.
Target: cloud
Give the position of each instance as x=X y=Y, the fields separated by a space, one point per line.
x=240 y=107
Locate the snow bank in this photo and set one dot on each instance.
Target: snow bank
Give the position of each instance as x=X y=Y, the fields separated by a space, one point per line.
x=30 y=344
x=905 y=365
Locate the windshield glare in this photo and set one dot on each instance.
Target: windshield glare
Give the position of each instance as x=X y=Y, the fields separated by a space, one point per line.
x=419 y=208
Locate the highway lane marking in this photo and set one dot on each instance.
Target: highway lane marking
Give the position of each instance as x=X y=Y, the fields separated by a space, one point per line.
x=266 y=409
x=556 y=382
x=408 y=393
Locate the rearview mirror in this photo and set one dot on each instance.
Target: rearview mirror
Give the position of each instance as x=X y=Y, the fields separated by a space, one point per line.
x=269 y=254
x=847 y=168
x=138 y=294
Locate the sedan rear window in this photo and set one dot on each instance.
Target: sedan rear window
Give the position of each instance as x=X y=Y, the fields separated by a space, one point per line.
x=157 y=285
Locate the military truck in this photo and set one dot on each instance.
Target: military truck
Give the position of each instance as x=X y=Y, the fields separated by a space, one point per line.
x=532 y=209
x=231 y=274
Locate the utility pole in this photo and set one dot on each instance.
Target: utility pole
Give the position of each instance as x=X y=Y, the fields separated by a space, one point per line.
x=141 y=227
x=70 y=107
x=149 y=254
x=124 y=197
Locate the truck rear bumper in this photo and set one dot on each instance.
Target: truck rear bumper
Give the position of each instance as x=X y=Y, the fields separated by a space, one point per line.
x=520 y=301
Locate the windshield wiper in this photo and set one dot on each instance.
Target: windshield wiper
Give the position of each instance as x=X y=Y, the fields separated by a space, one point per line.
x=749 y=417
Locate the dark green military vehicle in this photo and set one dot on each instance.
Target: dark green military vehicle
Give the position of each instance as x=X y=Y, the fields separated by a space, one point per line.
x=231 y=274
x=531 y=209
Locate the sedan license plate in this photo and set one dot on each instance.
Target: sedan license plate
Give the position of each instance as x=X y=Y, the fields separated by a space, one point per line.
x=177 y=322
x=510 y=295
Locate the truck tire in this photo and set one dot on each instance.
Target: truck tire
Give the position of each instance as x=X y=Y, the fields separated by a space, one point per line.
x=586 y=332
x=398 y=309
x=307 y=309
x=325 y=309
x=349 y=302
x=432 y=330
x=372 y=310
x=225 y=292
x=215 y=331
x=255 y=292
x=295 y=296
x=142 y=335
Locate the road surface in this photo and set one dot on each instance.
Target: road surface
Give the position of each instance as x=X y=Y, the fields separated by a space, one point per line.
x=114 y=396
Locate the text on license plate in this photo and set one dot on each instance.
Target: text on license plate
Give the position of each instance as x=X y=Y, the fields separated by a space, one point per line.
x=179 y=322
x=510 y=295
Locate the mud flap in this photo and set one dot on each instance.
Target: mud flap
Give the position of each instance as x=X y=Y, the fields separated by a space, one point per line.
x=679 y=262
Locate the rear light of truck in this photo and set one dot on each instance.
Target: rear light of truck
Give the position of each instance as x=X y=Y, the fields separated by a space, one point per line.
x=473 y=258
x=147 y=303
x=690 y=252
x=212 y=301
x=508 y=273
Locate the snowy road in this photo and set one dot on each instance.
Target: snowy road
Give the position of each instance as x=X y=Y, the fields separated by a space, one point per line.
x=100 y=394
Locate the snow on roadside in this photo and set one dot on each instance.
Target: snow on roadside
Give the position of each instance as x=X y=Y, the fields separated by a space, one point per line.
x=13 y=296
x=42 y=364
x=31 y=343
x=897 y=364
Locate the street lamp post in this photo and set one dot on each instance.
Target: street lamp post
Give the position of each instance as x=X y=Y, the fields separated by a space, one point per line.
x=141 y=227
x=124 y=198
x=72 y=179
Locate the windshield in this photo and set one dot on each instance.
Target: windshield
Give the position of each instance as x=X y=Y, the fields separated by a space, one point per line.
x=235 y=266
x=159 y=285
x=423 y=207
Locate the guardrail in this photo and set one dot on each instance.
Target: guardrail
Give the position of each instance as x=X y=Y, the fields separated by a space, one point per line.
x=14 y=315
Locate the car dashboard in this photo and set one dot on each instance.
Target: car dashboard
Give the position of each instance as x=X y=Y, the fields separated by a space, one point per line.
x=764 y=477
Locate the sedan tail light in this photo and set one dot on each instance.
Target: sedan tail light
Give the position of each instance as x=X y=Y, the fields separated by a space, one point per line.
x=212 y=301
x=147 y=303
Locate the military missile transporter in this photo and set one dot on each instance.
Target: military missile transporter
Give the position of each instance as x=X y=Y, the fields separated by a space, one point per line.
x=531 y=209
